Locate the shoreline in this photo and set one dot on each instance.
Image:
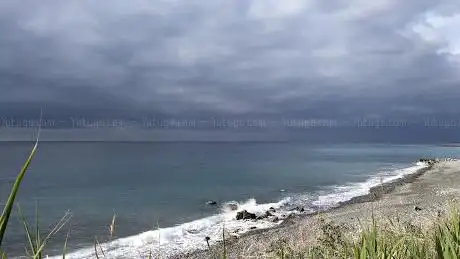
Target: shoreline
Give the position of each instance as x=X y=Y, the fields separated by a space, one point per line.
x=295 y=221
x=375 y=193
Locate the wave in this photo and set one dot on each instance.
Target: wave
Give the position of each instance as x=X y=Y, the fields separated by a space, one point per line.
x=347 y=192
x=188 y=236
x=191 y=236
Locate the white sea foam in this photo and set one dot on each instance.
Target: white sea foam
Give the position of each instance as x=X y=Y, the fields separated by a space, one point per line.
x=349 y=191
x=191 y=236
x=186 y=237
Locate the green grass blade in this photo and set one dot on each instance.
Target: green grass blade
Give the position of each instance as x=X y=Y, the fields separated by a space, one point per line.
x=9 y=204
x=95 y=249
x=61 y=223
x=363 y=254
x=32 y=245
x=38 y=239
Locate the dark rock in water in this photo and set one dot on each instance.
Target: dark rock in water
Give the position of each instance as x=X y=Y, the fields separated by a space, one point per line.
x=211 y=203
x=416 y=208
x=429 y=161
x=275 y=219
x=268 y=214
x=245 y=215
x=261 y=217
x=271 y=209
x=252 y=227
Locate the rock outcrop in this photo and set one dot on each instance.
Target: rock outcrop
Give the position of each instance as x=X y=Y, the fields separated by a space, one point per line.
x=242 y=215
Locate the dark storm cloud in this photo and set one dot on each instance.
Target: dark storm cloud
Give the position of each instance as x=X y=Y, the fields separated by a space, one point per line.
x=325 y=58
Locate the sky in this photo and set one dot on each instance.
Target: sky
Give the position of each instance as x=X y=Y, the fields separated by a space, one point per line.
x=308 y=58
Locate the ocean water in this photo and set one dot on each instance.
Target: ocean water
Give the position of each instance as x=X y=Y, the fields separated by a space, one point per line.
x=158 y=191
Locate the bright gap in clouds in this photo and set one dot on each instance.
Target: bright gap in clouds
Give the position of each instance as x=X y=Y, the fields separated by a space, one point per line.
x=442 y=30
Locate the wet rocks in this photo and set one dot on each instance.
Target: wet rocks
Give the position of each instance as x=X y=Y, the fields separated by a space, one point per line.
x=275 y=219
x=427 y=161
x=269 y=215
x=417 y=208
x=232 y=206
x=299 y=209
x=432 y=161
x=264 y=216
x=242 y=215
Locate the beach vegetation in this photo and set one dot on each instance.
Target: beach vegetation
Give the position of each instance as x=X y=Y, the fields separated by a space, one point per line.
x=381 y=239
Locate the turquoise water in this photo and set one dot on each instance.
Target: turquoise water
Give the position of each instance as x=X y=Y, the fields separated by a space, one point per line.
x=167 y=184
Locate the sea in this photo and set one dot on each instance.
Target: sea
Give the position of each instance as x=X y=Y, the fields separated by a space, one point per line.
x=157 y=193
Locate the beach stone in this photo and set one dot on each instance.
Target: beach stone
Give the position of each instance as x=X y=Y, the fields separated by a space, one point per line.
x=268 y=214
x=252 y=227
x=245 y=215
x=271 y=209
x=439 y=213
x=275 y=219
x=211 y=203
x=416 y=208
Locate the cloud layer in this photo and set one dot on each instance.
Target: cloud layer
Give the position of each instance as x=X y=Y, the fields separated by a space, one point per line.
x=310 y=57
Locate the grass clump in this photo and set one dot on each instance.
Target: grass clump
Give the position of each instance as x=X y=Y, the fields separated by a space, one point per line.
x=447 y=236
